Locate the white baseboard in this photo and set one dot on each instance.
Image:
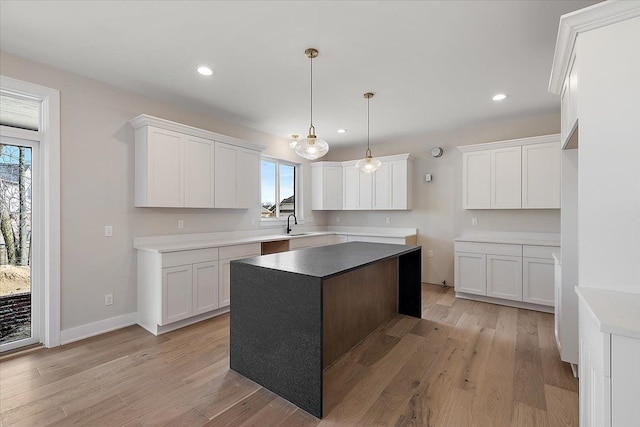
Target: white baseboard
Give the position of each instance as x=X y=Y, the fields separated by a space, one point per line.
x=500 y=301
x=96 y=328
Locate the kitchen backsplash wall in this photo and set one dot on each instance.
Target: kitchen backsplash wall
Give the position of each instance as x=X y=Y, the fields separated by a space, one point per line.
x=437 y=205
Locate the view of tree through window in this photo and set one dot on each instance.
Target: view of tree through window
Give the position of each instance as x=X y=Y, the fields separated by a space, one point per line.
x=278 y=188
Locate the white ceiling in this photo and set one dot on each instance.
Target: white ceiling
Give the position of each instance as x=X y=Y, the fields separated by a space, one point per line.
x=433 y=65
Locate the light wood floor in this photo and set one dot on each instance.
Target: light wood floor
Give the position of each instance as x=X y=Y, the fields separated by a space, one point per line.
x=464 y=364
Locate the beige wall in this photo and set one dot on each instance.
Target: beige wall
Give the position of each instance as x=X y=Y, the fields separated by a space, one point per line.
x=97 y=189
x=97 y=167
x=437 y=205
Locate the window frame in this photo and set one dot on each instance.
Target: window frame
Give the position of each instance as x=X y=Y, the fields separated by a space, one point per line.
x=297 y=182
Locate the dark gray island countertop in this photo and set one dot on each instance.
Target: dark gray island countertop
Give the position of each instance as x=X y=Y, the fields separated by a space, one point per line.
x=326 y=261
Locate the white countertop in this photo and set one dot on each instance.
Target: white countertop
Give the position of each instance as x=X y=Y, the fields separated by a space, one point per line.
x=512 y=238
x=615 y=312
x=184 y=242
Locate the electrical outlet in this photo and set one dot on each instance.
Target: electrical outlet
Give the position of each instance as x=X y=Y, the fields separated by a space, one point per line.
x=108 y=231
x=108 y=299
x=338 y=218
x=388 y=220
x=474 y=221
x=181 y=223
x=253 y=221
x=430 y=253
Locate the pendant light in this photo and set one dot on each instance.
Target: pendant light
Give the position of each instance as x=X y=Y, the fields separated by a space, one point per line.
x=311 y=147
x=368 y=164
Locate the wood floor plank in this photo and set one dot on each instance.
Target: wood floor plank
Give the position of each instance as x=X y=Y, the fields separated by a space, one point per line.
x=528 y=416
x=356 y=403
x=562 y=407
x=243 y=410
x=528 y=383
x=408 y=372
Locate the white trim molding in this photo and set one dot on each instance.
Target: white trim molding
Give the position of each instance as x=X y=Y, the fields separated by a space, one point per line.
x=146 y=120
x=96 y=328
x=511 y=143
x=50 y=187
x=580 y=21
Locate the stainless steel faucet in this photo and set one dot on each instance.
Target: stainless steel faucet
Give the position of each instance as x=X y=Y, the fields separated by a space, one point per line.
x=295 y=222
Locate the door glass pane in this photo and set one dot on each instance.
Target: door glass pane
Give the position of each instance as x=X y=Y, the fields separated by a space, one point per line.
x=268 y=195
x=15 y=243
x=18 y=112
x=287 y=189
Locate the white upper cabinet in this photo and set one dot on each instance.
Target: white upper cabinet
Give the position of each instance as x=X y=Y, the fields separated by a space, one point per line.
x=351 y=187
x=541 y=176
x=326 y=185
x=516 y=174
x=476 y=180
x=388 y=188
x=506 y=175
x=184 y=167
x=159 y=168
x=199 y=163
x=237 y=173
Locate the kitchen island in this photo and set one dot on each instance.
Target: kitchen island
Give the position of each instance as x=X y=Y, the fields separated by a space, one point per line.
x=295 y=313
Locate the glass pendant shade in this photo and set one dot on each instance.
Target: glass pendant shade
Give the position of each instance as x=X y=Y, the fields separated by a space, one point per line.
x=293 y=142
x=368 y=164
x=311 y=148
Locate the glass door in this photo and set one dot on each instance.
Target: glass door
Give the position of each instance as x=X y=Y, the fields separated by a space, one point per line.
x=18 y=307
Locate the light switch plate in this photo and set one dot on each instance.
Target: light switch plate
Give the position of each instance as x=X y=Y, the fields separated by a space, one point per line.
x=108 y=231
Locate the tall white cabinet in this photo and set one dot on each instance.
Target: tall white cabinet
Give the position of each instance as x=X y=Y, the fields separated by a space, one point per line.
x=595 y=71
x=180 y=166
x=516 y=174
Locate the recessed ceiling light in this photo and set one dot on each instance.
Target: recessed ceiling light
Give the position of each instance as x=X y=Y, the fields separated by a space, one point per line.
x=205 y=71
x=499 y=97
x=342 y=130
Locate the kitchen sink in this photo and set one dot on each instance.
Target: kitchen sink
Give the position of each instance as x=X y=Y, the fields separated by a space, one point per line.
x=297 y=234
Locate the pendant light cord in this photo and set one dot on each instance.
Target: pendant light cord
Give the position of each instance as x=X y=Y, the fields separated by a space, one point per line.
x=311 y=86
x=368 y=124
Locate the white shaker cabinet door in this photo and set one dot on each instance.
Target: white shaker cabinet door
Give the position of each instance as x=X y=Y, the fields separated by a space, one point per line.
x=199 y=174
x=471 y=273
x=504 y=277
x=541 y=176
x=506 y=179
x=538 y=281
x=351 y=188
x=476 y=180
x=176 y=293
x=165 y=173
x=226 y=176
x=382 y=187
x=205 y=287
x=248 y=174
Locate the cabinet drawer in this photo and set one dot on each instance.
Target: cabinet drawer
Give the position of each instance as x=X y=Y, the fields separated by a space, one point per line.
x=173 y=259
x=545 y=252
x=240 y=251
x=489 y=248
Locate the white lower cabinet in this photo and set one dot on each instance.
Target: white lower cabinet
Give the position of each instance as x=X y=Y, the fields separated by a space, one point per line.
x=504 y=277
x=205 y=287
x=176 y=286
x=512 y=272
x=471 y=273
